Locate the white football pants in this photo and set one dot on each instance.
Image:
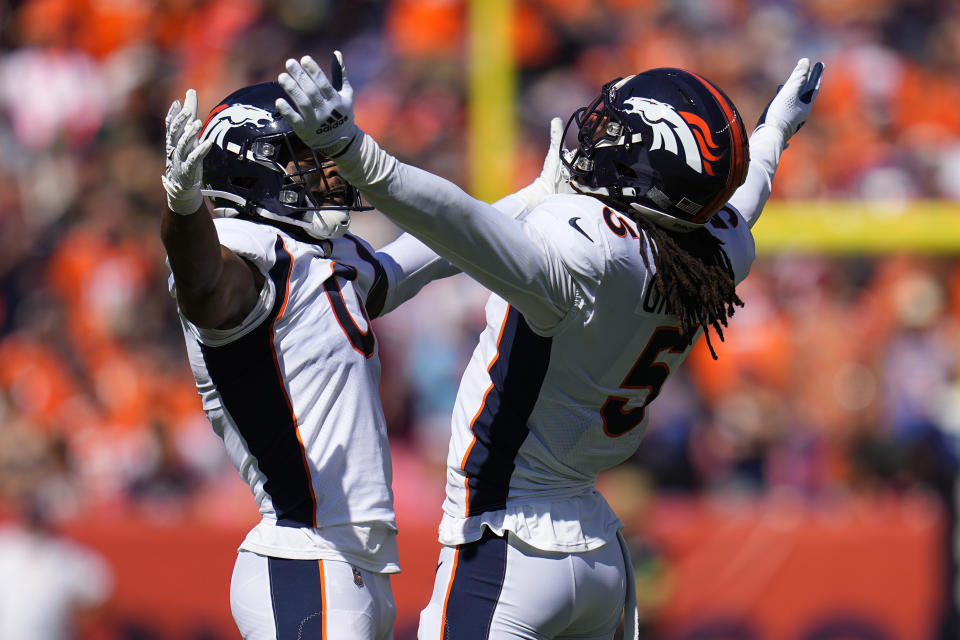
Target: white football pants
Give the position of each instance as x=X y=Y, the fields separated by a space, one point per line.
x=501 y=588
x=282 y=599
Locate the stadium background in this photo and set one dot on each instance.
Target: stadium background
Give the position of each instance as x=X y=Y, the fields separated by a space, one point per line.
x=801 y=487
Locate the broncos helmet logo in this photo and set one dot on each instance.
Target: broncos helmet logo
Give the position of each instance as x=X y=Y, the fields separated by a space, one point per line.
x=670 y=126
x=228 y=116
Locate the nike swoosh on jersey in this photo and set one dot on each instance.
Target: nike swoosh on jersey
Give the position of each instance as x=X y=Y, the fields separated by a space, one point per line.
x=573 y=223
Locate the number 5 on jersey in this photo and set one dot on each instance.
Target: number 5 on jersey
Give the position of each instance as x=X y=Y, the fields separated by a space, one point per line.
x=647 y=373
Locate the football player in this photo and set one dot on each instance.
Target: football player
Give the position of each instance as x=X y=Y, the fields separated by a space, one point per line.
x=598 y=294
x=275 y=298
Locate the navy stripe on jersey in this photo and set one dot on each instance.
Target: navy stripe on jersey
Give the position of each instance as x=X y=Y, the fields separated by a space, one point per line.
x=475 y=588
x=296 y=592
x=248 y=378
x=378 y=291
x=501 y=426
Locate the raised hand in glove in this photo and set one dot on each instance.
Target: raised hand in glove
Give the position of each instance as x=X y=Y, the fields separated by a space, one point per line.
x=319 y=112
x=791 y=106
x=554 y=177
x=184 y=169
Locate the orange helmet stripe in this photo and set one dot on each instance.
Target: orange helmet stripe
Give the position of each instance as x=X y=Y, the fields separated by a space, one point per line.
x=217 y=109
x=738 y=155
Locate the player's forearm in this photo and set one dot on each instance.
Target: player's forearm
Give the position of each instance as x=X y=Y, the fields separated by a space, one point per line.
x=413 y=264
x=476 y=237
x=216 y=288
x=429 y=207
x=193 y=251
x=782 y=118
x=766 y=145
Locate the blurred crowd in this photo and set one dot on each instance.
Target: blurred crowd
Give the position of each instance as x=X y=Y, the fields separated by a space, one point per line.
x=839 y=375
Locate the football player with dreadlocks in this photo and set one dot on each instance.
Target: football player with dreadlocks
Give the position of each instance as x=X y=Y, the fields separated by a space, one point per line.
x=275 y=298
x=598 y=294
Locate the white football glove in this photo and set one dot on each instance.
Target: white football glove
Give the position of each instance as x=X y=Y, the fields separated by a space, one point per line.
x=554 y=178
x=791 y=106
x=322 y=113
x=184 y=170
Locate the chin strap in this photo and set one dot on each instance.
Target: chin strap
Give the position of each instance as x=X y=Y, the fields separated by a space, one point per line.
x=224 y=212
x=322 y=224
x=325 y=224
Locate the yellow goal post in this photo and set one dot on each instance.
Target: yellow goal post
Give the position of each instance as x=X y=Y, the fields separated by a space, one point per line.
x=853 y=226
x=859 y=227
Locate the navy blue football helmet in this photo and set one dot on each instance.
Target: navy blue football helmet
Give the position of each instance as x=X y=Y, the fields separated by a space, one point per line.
x=259 y=169
x=666 y=144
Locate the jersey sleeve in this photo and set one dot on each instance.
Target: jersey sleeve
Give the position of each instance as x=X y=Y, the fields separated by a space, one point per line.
x=248 y=240
x=766 y=145
x=499 y=251
x=571 y=226
x=408 y=265
x=733 y=230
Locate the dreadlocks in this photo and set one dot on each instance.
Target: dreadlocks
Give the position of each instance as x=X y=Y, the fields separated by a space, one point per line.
x=693 y=275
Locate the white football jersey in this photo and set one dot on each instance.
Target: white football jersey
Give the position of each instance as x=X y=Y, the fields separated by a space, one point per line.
x=540 y=413
x=293 y=393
